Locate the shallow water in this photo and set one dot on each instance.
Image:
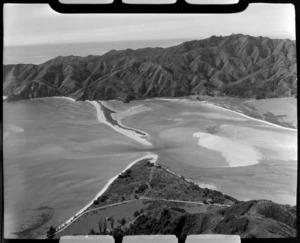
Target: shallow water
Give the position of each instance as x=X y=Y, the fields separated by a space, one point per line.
x=57 y=156
x=267 y=154
x=60 y=160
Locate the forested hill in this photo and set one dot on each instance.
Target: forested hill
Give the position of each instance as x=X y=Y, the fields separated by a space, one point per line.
x=237 y=65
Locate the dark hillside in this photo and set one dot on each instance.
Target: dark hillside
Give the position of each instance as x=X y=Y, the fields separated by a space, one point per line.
x=236 y=65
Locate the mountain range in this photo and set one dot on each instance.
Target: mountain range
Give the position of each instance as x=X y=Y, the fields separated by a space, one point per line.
x=237 y=66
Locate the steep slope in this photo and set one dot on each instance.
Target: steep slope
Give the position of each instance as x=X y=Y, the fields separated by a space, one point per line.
x=251 y=219
x=236 y=65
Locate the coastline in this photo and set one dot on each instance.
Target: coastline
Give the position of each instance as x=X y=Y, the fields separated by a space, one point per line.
x=63 y=97
x=130 y=134
x=141 y=140
x=227 y=109
x=249 y=117
x=152 y=157
x=119 y=115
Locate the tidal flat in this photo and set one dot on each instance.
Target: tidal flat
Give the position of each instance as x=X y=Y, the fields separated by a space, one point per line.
x=61 y=155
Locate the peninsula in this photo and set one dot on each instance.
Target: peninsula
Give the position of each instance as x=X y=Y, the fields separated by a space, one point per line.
x=149 y=199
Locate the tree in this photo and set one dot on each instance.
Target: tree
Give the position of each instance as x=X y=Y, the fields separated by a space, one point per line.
x=102 y=225
x=136 y=213
x=51 y=232
x=112 y=222
x=118 y=234
x=122 y=221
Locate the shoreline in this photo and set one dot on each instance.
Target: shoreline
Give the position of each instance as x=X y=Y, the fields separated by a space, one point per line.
x=227 y=109
x=63 y=97
x=127 y=133
x=251 y=118
x=152 y=157
x=118 y=115
x=164 y=99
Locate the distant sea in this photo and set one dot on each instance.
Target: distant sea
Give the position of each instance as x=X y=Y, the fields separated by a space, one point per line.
x=37 y=54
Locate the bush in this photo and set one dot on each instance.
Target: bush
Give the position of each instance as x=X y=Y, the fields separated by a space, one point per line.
x=51 y=232
x=181 y=210
x=102 y=198
x=122 y=221
x=118 y=234
x=125 y=174
x=142 y=188
x=136 y=213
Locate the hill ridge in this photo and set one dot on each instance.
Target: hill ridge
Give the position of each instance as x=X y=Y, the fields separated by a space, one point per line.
x=236 y=65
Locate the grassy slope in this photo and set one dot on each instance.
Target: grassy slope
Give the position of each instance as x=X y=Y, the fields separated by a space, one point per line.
x=145 y=179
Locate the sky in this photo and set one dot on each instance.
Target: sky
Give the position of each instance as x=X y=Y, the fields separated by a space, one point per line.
x=26 y=24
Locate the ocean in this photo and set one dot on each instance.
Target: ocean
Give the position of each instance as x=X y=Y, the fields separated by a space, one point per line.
x=37 y=54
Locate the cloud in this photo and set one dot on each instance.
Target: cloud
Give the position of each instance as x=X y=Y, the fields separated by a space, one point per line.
x=26 y=24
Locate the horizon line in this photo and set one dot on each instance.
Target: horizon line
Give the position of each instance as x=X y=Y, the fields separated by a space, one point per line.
x=289 y=37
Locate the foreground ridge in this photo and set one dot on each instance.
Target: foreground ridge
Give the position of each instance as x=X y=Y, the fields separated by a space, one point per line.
x=148 y=199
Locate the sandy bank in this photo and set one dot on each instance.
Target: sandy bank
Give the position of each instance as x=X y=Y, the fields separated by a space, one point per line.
x=207 y=103
x=235 y=153
x=63 y=97
x=119 y=115
x=249 y=117
x=129 y=133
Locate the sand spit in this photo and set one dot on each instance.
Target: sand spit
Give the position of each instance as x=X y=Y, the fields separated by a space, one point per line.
x=167 y=99
x=55 y=97
x=182 y=100
x=235 y=112
x=119 y=115
x=235 y=153
x=151 y=157
x=249 y=117
x=213 y=116
x=129 y=133
x=63 y=97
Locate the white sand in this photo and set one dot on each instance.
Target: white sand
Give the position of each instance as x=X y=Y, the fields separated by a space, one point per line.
x=119 y=115
x=280 y=145
x=54 y=97
x=250 y=118
x=239 y=113
x=62 y=97
x=131 y=134
x=235 y=152
x=213 y=116
x=205 y=185
x=152 y=157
